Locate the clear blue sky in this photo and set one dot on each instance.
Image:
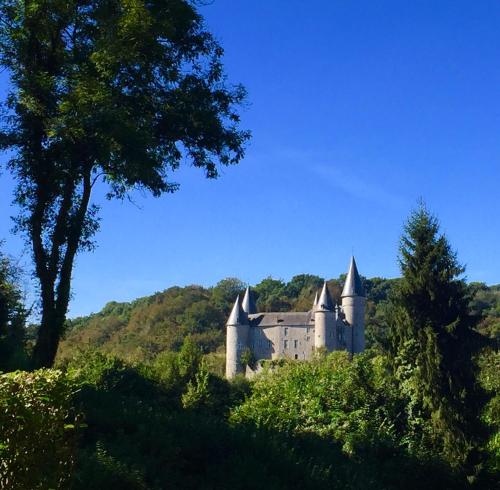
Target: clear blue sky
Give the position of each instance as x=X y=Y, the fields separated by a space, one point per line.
x=357 y=109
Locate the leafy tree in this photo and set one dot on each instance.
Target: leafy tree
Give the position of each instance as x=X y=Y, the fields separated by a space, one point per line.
x=189 y=359
x=489 y=362
x=12 y=317
x=224 y=293
x=201 y=316
x=271 y=295
x=330 y=396
x=104 y=91
x=300 y=282
x=38 y=425
x=247 y=358
x=431 y=339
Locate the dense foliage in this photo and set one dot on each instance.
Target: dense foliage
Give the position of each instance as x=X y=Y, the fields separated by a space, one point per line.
x=170 y=423
x=37 y=430
x=12 y=317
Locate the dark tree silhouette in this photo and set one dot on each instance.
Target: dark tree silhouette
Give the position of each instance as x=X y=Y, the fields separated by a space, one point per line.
x=108 y=91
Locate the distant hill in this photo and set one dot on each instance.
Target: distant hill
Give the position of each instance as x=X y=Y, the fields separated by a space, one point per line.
x=139 y=330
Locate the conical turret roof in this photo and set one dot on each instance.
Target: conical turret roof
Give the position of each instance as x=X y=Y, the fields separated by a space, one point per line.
x=325 y=302
x=315 y=302
x=237 y=316
x=353 y=285
x=248 y=304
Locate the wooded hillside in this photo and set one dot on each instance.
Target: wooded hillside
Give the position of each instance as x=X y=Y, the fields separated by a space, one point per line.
x=139 y=330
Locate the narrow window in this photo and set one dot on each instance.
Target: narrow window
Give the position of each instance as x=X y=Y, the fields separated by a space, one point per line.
x=286 y=331
x=296 y=356
x=295 y=343
x=269 y=344
x=286 y=344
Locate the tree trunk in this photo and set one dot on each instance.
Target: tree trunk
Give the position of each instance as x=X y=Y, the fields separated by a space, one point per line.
x=49 y=333
x=55 y=278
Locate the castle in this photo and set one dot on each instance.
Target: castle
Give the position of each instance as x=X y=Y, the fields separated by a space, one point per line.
x=297 y=335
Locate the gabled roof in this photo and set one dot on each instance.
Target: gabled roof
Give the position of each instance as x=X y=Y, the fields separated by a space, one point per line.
x=353 y=285
x=237 y=316
x=248 y=303
x=325 y=302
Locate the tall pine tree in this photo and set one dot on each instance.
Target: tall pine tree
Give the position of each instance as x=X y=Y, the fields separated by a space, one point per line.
x=431 y=343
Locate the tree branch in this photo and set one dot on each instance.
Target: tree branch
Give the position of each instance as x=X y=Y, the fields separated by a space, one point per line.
x=74 y=236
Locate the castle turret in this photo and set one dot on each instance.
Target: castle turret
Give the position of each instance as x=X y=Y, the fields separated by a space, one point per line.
x=324 y=318
x=353 y=306
x=315 y=302
x=236 y=339
x=248 y=303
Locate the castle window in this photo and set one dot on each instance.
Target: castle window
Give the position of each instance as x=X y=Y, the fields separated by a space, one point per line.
x=296 y=356
x=286 y=344
x=269 y=344
x=286 y=331
x=296 y=344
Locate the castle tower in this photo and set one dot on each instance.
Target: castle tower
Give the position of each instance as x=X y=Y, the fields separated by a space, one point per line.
x=248 y=303
x=236 y=339
x=353 y=306
x=324 y=318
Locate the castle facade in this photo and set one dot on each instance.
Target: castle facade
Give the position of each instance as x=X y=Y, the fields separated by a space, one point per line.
x=296 y=335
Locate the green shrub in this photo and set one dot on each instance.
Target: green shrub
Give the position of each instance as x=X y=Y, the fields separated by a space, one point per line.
x=37 y=430
x=329 y=396
x=490 y=380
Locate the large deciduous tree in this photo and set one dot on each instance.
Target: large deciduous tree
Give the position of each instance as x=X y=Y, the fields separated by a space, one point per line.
x=119 y=91
x=432 y=340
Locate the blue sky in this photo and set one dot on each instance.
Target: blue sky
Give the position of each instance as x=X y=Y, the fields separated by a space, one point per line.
x=357 y=110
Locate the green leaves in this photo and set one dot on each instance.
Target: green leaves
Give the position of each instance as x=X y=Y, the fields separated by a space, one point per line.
x=349 y=402
x=37 y=429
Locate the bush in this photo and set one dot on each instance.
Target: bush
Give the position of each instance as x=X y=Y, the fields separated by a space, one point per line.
x=37 y=430
x=329 y=396
x=489 y=379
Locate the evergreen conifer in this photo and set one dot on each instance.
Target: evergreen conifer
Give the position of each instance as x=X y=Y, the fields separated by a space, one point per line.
x=431 y=343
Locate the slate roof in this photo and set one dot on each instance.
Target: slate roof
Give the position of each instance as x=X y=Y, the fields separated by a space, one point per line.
x=315 y=302
x=353 y=285
x=237 y=316
x=248 y=303
x=278 y=319
x=325 y=302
